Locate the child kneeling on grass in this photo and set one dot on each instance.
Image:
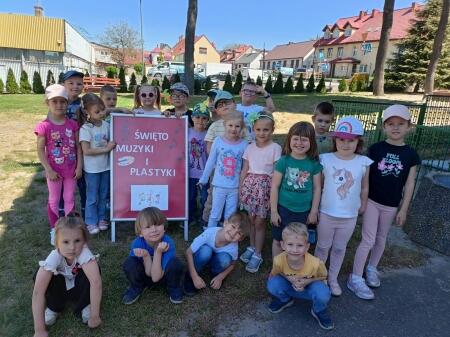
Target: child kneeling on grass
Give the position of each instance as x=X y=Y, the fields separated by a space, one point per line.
x=152 y=259
x=69 y=273
x=298 y=274
x=217 y=246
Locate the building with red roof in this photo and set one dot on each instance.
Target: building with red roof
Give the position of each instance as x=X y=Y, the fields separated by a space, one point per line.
x=204 y=50
x=350 y=44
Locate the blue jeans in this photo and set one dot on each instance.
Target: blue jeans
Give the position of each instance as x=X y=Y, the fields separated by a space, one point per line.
x=317 y=292
x=223 y=198
x=97 y=194
x=134 y=270
x=193 y=192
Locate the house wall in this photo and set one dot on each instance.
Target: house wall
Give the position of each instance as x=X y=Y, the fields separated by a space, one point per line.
x=211 y=56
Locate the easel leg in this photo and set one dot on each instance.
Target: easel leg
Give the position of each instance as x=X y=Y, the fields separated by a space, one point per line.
x=186 y=230
x=113 y=231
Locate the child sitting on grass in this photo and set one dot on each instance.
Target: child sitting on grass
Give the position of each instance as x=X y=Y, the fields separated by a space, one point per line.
x=217 y=246
x=298 y=274
x=152 y=259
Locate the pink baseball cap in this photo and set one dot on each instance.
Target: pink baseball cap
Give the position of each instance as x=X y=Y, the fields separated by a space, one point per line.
x=348 y=128
x=56 y=90
x=396 y=110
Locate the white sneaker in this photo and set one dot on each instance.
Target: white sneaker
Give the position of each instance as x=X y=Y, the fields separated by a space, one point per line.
x=50 y=317
x=335 y=288
x=372 y=278
x=85 y=313
x=52 y=237
x=93 y=229
x=359 y=287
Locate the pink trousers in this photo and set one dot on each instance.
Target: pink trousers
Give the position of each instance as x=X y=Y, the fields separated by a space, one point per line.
x=54 y=195
x=333 y=233
x=377 y=221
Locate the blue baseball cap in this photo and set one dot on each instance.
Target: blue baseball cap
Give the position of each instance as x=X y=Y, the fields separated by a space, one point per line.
x=222 y=95
x=72 y=73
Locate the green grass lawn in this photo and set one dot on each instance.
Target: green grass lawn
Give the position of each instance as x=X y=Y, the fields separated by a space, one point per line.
x=24 y=240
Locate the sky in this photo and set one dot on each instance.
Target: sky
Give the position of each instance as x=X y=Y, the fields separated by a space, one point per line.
x=259 y=23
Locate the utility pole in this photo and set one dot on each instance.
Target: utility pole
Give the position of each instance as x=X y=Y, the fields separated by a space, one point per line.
x=142 y=40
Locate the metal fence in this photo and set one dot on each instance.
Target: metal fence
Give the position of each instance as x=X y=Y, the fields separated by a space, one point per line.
x=430 y=134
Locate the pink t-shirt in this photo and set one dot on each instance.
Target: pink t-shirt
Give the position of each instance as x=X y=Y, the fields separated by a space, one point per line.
x=60 y=145
x=261 y=160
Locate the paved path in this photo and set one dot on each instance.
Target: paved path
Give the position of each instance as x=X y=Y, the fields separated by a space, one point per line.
x=409 y=303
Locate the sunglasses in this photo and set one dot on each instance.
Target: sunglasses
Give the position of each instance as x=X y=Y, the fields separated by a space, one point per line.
x=150 y=95
x=221 y=104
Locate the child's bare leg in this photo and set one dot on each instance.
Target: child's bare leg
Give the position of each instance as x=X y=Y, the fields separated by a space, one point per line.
x=260 y=233
x=276 y=248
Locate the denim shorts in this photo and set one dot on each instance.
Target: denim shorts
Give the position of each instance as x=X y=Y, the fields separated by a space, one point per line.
x=287 y=216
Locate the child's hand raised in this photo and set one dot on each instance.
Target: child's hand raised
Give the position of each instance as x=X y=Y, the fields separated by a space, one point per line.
x=275 y=218
x=162 y=247
x=140 y=252
x=52 y=175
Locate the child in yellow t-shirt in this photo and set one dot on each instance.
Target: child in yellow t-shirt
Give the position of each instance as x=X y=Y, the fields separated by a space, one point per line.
x=298 y=274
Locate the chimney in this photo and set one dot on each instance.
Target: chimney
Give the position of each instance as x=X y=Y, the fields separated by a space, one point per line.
x=38 y=10
x=181 y=37
x=374 y=12
x=361 y=14
x=414 y=7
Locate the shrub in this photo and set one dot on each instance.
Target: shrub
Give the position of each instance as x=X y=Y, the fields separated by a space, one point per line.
x=361 y=85
x=278 y=86
x=25 y=87
x=353 y=85
x=259 y=81
x=321 y=87
x=238 y=84
x=2 y=86
x=61 y=78
x=111 y=72
x=86 y=74
x=268 y=87
x=155 y=82
x=50 y=79
x=208 y=83
x=289 y=86
x=176 y=78
x=342 y=85
x=299 y=88
x=11 y=84
x=144 y=79
x=165 y=83
x=123 y=82
x=310 y=86
x=228 y=85
x=38 y=88
x=197 y=86
x=138 y=68
x=133 y=83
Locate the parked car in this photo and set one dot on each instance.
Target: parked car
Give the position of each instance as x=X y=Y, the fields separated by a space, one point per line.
x=201 y=78
x=166 y=68
x=221 y=76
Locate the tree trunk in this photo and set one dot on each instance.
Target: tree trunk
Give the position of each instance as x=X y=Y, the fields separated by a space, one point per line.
x=378 y=79
x=189 y=45
x=437 y=48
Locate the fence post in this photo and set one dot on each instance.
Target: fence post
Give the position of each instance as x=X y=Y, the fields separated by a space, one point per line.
x=420 y=120
x=379 y=125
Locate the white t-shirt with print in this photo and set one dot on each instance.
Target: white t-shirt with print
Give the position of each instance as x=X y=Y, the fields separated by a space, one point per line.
x=208 y=237
x=342 y=184
x=247 y=112
x=97 y=137
x=57 y=264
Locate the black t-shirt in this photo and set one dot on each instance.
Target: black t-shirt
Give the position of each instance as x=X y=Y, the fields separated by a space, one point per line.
x=187 y=113
x=389 y=171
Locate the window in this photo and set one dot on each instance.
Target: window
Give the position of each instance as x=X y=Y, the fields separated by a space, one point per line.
x=263 y=65
x=363 y=68
x=355 y=51
x=340 y=52
x=297 y=62
x=330 y=53
x=274 y=64
x=292 y=63
x=336 y=33
x=367 y=48
x=321 y=56
x=203 y=50
x=348 y=31
x=268 y=65
x=284 y=63
x=326 y=35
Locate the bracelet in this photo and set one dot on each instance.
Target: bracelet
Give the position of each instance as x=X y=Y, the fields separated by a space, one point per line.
x=267 y=96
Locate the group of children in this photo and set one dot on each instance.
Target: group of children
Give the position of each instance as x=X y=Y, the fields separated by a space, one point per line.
x=312 y=189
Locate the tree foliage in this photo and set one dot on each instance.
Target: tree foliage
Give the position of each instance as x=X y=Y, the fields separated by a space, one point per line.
x=11 y=84
x=342 y=85
x=138 y=68
x=165 y=83
x=2 y=86
x=238 y=84
x=176 y=78
x=144 y=79
x=133 y=83
x=50 y=79
x=208 y=83
x=408 y=67
x=197 y=86
x=278 y=86
x=289 y=86
x=268 y=87
x=111 y=72
x=38 y=88
x=321 y=87
x=122 y=39
x=300 y=87
x=228 y=85
x=60 y=78
x=259 y=81
x=123 y=82
x=25 y=86
x=311 y=85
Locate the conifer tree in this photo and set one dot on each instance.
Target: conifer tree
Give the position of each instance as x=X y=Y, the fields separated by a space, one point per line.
x=2 y=86
x=300 y=88
x=208 y=83
x=123 y=82
x=259 y=81
x=197 y=86
x=50 y=79
x=268 y=87
x=278 y=86
x=289 y=86
x=11 y=84
x=321 y=88
x=408 y=67
x=155 y=82
x=228 y=85
x=60 y=78
x=38 y=88
x=354 y=85
x=133 y=83
x=176 y=78
x=238 y=84
x=342 y=85
x=144 y=79
x=165 y=84
x=25 y=86
x=310 y=86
